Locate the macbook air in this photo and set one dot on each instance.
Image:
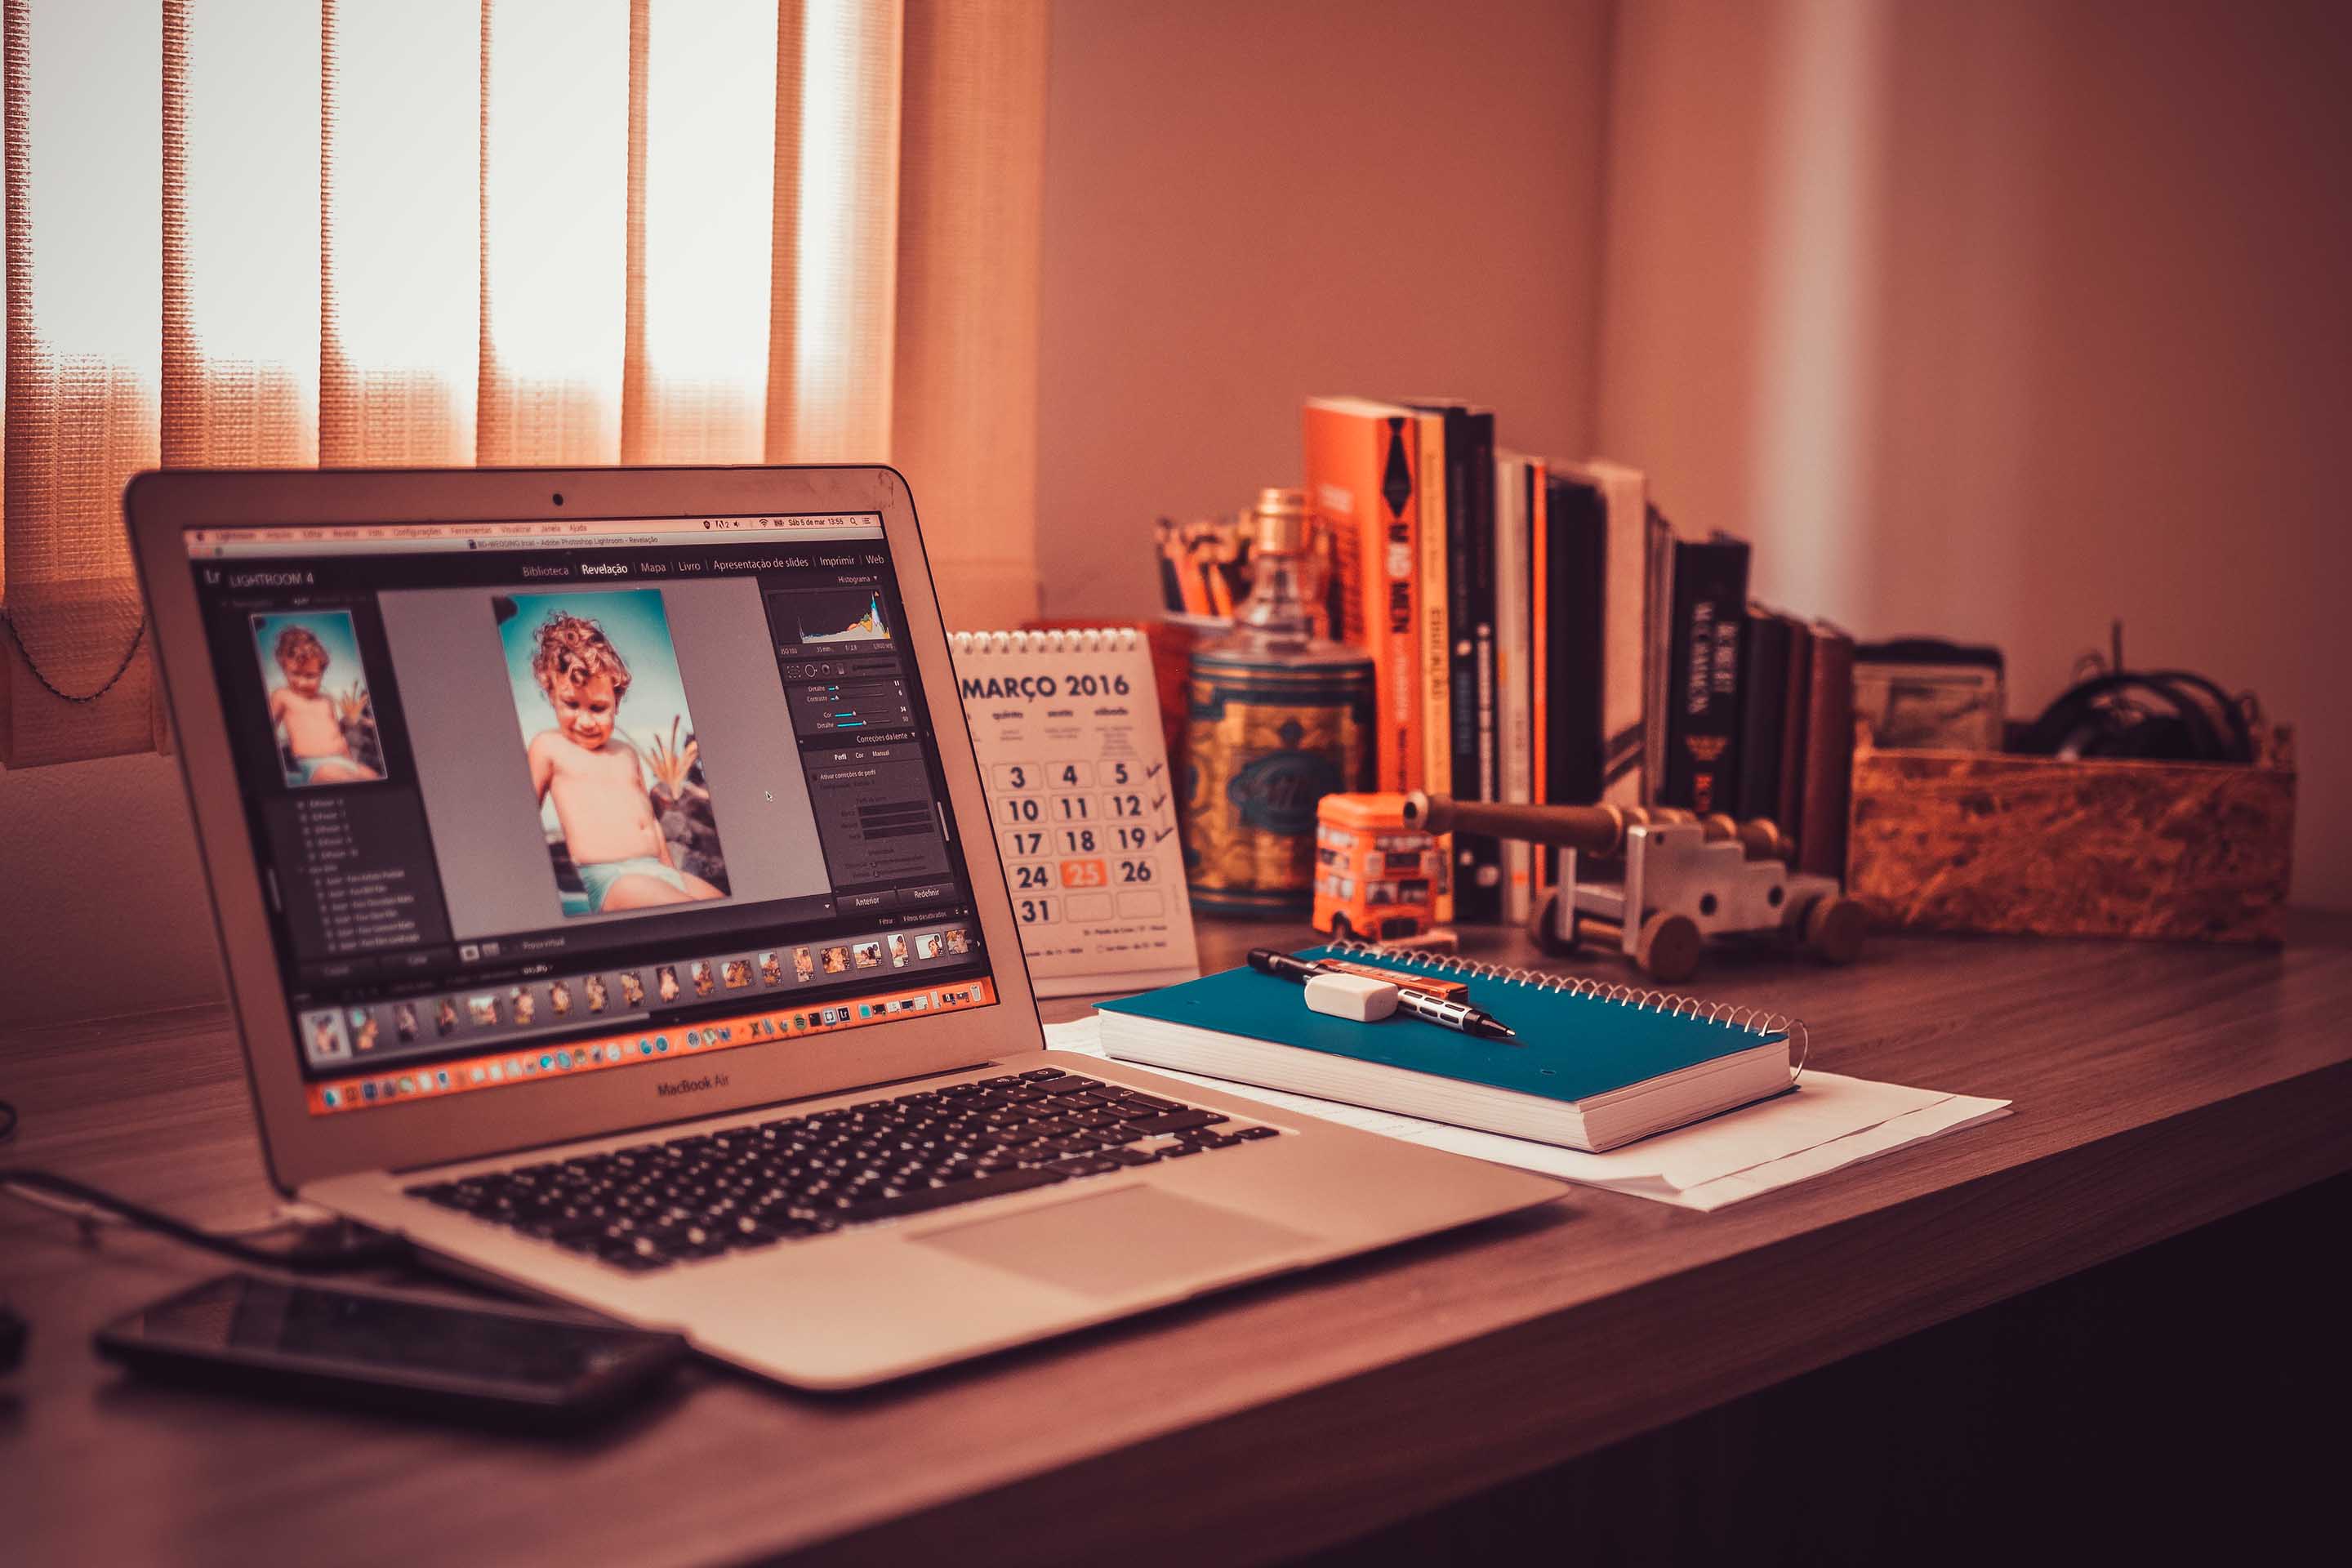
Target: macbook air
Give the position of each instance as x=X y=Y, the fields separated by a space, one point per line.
x=612 y=907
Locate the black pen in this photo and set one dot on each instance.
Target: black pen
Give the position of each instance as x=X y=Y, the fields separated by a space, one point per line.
x=1461 y=1016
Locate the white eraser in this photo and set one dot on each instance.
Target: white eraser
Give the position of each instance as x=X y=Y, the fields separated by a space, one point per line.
x=1357 y=996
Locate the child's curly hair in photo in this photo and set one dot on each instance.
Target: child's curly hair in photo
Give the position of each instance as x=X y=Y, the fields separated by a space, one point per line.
x=576 y=649
x=300 y=649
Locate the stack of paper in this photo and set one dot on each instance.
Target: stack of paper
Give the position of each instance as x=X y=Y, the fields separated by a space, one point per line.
x=1827 y=1122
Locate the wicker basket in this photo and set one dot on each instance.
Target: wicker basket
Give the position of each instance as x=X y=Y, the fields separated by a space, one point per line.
x=1961 y=841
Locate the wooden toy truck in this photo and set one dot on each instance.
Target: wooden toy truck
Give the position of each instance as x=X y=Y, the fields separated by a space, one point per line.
x=1679 y=881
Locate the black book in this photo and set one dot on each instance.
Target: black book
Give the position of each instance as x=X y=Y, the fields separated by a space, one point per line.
x=1575 y=556
x=1657 y=614
x=1473 y=740
x=1707 y=608
x=1763 y=711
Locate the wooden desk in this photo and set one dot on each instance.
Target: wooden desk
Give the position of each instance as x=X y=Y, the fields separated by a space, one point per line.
x=2157 y=1088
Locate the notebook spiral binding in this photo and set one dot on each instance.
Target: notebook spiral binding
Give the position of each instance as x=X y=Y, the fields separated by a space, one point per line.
x=1754 y=1020
x=1094 y=640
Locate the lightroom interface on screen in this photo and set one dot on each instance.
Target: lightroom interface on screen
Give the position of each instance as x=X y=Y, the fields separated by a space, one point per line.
x=537 y=799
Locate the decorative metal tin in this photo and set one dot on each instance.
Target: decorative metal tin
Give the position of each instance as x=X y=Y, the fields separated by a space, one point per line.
x=1267 y=737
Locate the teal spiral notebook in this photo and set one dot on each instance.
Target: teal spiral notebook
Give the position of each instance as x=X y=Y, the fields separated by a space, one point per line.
x=1594 y=1065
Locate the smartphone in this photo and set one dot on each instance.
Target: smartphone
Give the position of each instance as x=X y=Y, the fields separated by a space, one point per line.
x=388 y=1349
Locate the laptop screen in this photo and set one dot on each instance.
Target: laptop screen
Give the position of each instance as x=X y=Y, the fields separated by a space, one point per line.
x=548 y=798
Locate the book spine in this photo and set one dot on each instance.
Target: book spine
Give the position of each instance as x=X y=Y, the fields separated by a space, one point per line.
x=1763 y=696
x=1711 y=605
x=1657 y=619
x=1540 y=628
x=1577 y=717
x=1472 y=894
x=1796 y=706
x=1361 y=483
x=1401 y=712
x=1576 y=522
x=1461 y=592
x=1829 y=753
x=1580 y=530
x=1434 y=755
x=1477 y=468
x=1434 y=768
x=1516 y=756
x=1624 y=689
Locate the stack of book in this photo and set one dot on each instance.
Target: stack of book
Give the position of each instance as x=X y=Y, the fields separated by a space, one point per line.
x=1541 y=634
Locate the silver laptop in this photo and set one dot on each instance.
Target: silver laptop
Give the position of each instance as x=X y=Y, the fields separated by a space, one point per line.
x=611 y=906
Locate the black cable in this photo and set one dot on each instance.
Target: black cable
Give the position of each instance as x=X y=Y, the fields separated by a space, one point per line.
x=303 y=1257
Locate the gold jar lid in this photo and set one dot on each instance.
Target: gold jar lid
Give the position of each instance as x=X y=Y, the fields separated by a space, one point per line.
x=1280 y=520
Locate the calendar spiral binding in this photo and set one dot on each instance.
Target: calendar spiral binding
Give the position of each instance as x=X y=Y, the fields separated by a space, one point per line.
x=1091 y=639
x=1753 y=1020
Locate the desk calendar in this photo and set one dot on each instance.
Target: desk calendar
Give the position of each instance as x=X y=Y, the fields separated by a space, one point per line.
x=1065 y=726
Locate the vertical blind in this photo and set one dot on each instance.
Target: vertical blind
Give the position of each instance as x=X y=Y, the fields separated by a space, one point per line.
x=430 y=232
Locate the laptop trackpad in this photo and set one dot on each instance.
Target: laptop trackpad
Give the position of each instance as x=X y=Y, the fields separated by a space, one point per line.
x=1121 y=1241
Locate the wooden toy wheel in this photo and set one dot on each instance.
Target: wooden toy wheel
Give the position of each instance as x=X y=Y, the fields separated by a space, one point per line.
x=1834 y=927
x=1342 y=928
x=1668 y=947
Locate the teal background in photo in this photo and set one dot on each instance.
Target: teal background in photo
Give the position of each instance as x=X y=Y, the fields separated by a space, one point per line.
x=636 y=622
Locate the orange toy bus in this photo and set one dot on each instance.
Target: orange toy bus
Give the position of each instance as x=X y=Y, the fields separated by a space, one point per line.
x=1374 y=877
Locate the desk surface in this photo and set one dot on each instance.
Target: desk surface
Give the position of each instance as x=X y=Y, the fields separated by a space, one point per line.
x=2157 y=1088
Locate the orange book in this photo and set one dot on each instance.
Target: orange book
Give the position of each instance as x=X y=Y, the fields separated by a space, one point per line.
x=1362 y=482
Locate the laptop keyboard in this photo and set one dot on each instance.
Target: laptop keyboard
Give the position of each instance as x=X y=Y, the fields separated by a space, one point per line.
x=710 y=1194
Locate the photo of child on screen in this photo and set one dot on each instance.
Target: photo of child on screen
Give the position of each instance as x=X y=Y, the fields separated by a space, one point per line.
x=632 y=823
x=324 y=736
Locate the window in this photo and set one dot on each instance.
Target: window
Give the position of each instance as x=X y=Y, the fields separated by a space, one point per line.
x=501 y=231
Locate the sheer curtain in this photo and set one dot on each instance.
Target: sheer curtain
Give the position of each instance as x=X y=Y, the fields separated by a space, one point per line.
x=357 y=232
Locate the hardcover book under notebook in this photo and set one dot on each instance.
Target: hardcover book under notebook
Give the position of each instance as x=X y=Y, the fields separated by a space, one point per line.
x=1595 y=1065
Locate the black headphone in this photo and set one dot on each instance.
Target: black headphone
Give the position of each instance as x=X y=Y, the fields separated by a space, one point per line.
x=2167 y=715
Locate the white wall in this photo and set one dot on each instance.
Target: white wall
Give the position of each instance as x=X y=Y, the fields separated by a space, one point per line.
x=1999 y=319
x=1248 y=204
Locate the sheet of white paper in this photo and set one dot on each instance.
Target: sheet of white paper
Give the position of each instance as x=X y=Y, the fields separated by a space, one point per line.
x=1828 y=1121
x=1949 y=1115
